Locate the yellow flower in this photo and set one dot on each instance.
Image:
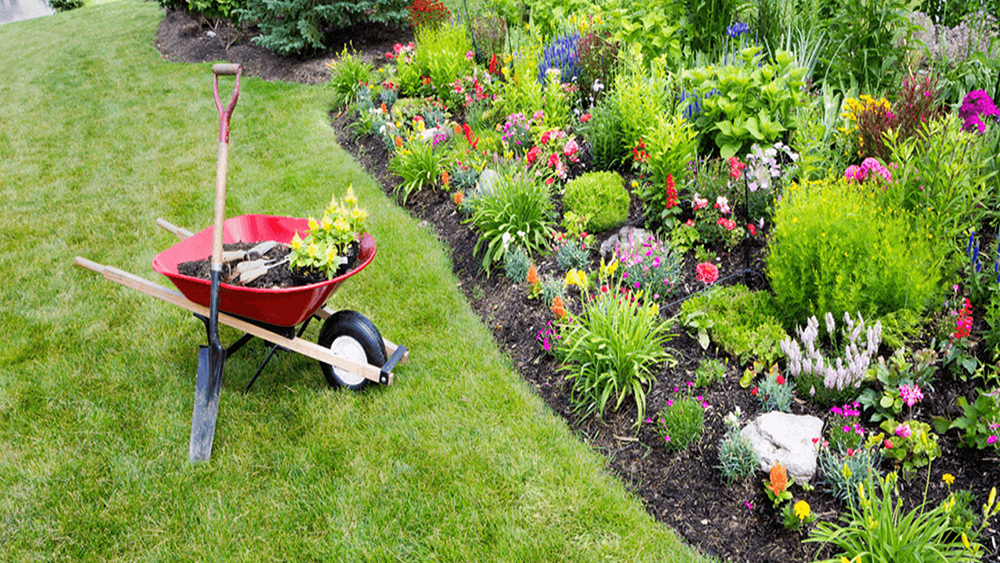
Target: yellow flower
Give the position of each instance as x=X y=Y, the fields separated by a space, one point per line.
x=350 y=198
x=313 y=224
x=312 y=250
x=609 y=270
x=296 y=241
x=948 y=478
x=342 y=226
x=802 y=509
x=327 y=223
x=577 y=278
x=965 y=541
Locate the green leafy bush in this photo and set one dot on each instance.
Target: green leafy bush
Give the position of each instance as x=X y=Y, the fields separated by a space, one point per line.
x=65 y=5
x=608 y=353
x=671 y=143
x=709 y=372
x=653 y=26
x=599 y=196
x=913 y=444
x=440 y=55
x=843 y=471
x=978 y=423
x=515 y=210
x=833 y=248
x=751 y=101
x=298 y=27
x=863 y=44
x=638 y=94
x=605 y=135
x=681 y=422
x=741 y=321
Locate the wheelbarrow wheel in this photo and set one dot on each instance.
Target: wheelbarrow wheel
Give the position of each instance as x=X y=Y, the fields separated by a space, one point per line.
x=350 y=335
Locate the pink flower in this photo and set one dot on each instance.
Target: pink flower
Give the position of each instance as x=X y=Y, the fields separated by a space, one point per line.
x=545 y=137
x=903 y=431
x=570 y=148
x=553 y=160
x=854 y=173
x=991 y=440
x=689 y=222
x=911 y=394
x=468 y=55
x=727 y=224
x=388 y=56
x=585 y=118
x=538 y=116
x=780 y=379
x=706 y=272
x=698 y=202
x=850 y=452
x=722 y=204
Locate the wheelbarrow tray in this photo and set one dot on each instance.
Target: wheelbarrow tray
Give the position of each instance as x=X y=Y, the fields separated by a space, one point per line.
x=283 y=307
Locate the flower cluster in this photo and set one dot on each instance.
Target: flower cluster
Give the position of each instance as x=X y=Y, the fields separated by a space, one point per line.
x=650 y=267
x=561 y=55
x=737 y=29
x=428 y=12
x=975 y=106
x=552 y=148
x=911 y=394
x=516 y=132
x=963 y=321
x=401 y=52
x=846 y=433
x=844 y=372
x=871 y=118
x=870 y=168
x=325 y=247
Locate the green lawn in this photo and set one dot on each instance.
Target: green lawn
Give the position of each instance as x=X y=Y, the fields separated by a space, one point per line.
x=457 y=461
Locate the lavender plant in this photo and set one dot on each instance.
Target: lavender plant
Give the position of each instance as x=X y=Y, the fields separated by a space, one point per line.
x=561 y=54
x=813 y=373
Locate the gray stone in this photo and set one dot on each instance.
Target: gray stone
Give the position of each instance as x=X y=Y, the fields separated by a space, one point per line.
x=487 y=179
x=788 y=438
x=639 y=236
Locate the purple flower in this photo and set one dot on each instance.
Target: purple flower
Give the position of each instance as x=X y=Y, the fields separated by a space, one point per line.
x=976 y=106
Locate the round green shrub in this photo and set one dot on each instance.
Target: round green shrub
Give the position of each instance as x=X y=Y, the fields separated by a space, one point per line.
x=600 y=196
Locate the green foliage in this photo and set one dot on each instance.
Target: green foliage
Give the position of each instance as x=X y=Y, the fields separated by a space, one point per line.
x=707 y=21
x=710 y=371
x=834 y=249
x=680 y=423
x=978 y=421
x=65 y=5
x=741 y=321
x=752 y=100
x=599 y=196
x=650 y=25
x=898 y=371
x=418 y=164
x=570 y=255
x=349 y=74
x=843 y=430
x=297 y=27
x=737 y=458
x=863 y=44
x=517 y=210
x=605 y=136
x=440 y=55
x=520 y=92
x=608 y=353
x=552 y=287
x=516 y=264
x=939 y=178
x=637 y=95
x=877 y=528
x=671 y=143
x=488 y=34
x=597 y=53
x=842 y=471
x=913 y=444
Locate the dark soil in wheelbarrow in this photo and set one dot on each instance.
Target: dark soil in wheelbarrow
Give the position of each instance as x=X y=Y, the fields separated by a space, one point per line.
x=734 y=523
x=278 y=276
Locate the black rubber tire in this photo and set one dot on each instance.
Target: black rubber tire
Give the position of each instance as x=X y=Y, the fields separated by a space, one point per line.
x=358 y=335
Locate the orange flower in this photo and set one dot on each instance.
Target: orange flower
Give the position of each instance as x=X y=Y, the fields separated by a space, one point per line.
x=399 y=141
x=383 y=108
x=557 y=308
x=458 y=129
x=445 y=178
x=458 y=197
x=533 y=275
x=779 y=478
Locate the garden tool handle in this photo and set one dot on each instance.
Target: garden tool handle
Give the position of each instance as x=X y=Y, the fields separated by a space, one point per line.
x=220 y=174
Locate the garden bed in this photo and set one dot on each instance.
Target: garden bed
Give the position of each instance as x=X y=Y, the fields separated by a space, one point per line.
x=683 y=490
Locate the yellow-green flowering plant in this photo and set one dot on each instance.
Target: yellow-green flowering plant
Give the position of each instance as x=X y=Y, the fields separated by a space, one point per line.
x=325 y=246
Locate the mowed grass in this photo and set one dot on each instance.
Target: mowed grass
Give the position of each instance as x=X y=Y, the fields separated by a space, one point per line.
x=457 y=461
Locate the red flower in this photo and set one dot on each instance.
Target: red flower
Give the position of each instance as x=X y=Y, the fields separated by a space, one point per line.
x=780 y=379
x=753 y=391
x=735 y=167
x=815 y=440
x=585 y=118
x=388 y=56
x=493 y=65
x=752 y=229
x=689 y=222
x=888 y=445
x=850 y=452
x=706 y=272
x=533 y=154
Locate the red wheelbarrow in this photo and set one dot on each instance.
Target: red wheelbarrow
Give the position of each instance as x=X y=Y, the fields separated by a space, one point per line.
x=350 y=349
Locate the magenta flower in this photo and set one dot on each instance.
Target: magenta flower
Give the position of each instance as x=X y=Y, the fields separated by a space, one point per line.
x=903 y=431
x=911 y=394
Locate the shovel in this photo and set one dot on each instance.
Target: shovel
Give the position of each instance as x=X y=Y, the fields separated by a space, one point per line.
x=212 y=358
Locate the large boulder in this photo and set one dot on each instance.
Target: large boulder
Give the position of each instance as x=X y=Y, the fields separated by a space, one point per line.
x=788 y=438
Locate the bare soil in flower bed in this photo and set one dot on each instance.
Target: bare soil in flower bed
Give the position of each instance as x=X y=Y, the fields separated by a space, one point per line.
x=685 y=491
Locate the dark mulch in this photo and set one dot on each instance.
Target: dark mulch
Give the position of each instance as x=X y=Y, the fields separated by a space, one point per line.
x=682 y=490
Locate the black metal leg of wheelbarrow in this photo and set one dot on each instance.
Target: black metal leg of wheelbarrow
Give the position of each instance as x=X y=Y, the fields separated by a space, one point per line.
x=270 y=354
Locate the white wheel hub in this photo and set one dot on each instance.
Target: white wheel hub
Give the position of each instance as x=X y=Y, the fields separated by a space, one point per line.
x=350 y=349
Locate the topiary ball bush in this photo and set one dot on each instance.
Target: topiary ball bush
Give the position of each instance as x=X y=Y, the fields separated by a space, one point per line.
x=601 y=197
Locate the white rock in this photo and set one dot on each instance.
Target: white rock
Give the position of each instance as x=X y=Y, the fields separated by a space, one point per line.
x=487 y=179
x=788 y=438
x=639 y=236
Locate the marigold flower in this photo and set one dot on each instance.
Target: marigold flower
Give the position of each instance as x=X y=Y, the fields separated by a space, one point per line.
x=557 y=307
x=779 y=479
x=948 y=478
x=802 y=509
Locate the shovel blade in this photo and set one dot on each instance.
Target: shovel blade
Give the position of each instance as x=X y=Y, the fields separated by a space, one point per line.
x=206 y=401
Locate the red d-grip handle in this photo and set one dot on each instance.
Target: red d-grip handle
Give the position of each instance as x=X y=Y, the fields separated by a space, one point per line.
x=225 y=114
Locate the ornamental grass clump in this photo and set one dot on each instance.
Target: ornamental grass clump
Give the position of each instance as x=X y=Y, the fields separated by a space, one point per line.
x=610 y=350
x=681 y=421
x=737 y=458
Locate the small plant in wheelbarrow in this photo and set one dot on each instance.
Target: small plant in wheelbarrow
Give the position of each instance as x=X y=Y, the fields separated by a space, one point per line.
x=332 y=241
